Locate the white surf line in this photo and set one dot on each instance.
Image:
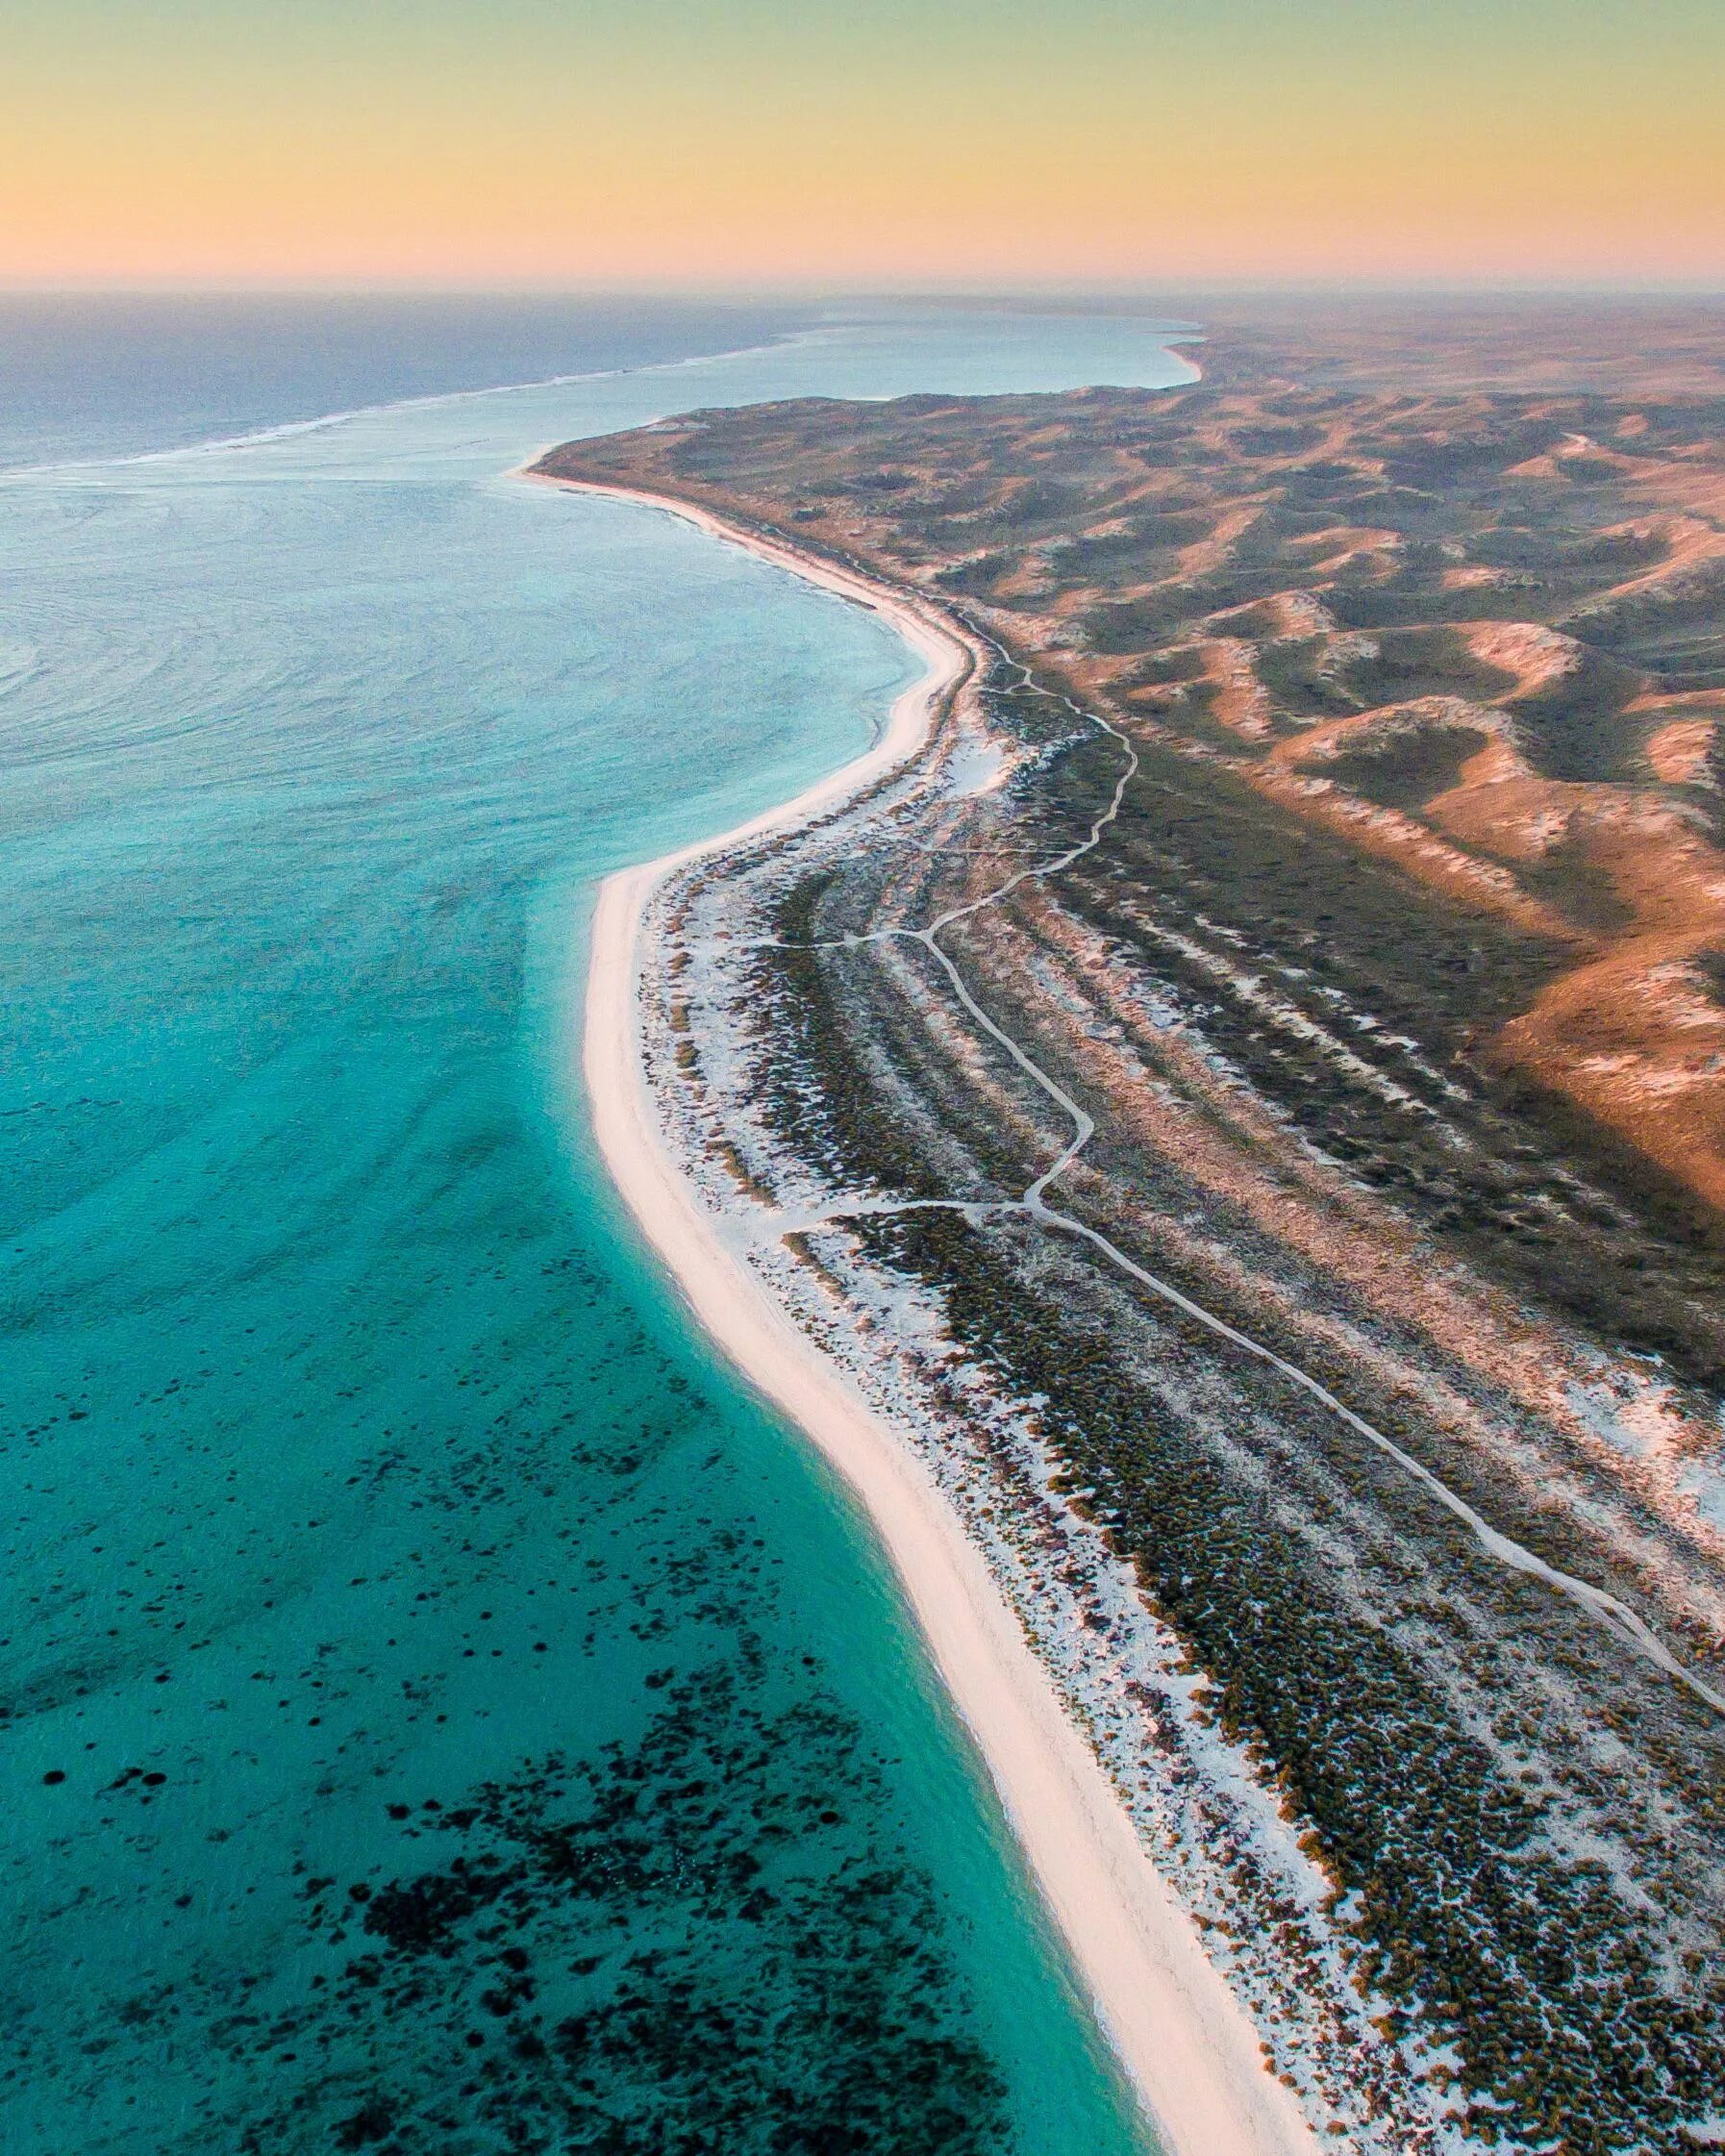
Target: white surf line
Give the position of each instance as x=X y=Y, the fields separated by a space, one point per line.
x=288 y=430
x=1604 y=1609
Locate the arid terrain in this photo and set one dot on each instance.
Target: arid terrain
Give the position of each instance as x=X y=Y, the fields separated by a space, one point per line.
x=1322 y=871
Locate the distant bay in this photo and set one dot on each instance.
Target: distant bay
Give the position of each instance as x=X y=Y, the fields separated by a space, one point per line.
x=117 y=374
x=441 y=1706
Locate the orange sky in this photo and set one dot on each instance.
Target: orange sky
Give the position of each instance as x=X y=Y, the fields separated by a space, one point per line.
x=552 y=142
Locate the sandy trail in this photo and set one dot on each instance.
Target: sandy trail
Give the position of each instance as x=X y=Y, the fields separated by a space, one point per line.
x=1607 y=1609
x=1185 y=2040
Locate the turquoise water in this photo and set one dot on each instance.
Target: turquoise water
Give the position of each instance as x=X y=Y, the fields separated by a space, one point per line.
x=443 y=1710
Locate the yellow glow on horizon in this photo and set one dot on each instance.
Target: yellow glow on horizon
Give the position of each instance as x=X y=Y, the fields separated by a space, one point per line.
x=1020 y=157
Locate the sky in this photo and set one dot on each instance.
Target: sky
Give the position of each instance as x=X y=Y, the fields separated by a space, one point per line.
x=872 y=143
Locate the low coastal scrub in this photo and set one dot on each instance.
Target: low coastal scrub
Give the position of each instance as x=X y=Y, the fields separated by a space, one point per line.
x=1480 y=1931
x=1476 y=1931
x=1292 y=986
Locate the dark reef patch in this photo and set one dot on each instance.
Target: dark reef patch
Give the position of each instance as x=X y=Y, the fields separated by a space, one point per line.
x=682 y=1945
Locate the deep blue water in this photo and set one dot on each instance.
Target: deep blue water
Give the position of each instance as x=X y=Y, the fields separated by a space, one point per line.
x=112 y=374
x=443 y=1710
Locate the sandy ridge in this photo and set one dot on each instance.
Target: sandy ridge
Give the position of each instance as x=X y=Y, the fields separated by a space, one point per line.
x=1185 y=2042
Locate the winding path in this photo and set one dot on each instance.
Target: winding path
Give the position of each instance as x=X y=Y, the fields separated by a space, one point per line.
x=1606 y=1609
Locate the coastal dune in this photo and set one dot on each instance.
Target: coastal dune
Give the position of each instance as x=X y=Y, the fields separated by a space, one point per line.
x=1187 y=2044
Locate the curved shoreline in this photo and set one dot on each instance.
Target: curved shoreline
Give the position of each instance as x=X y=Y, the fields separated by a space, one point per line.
x=1184 y=2041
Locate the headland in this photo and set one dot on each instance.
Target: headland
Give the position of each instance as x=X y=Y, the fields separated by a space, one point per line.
x=1236 y=1105
x=1189 y=2052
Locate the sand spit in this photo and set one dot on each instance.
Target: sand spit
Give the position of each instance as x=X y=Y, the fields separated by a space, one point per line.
x=1184 y=2039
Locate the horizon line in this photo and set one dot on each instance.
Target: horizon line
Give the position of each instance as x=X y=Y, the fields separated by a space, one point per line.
x=806 y=290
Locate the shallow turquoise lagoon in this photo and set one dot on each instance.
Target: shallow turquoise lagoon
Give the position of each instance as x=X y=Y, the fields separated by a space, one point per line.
x=443 y=1710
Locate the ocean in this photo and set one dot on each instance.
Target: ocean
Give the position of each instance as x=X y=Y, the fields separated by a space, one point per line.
x=443 y=1710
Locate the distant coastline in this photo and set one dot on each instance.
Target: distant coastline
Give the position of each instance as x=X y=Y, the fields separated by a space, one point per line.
x=1187 y=2044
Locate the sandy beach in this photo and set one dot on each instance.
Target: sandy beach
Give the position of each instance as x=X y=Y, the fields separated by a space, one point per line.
x=1188 y=2046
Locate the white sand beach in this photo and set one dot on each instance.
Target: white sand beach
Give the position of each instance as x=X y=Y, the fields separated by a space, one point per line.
x=1187 y=2045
